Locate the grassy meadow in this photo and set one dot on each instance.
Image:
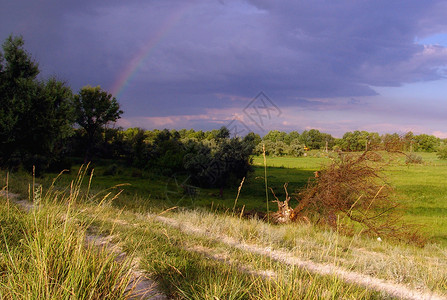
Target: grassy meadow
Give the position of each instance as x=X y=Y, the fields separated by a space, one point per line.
x=420 y=188
x=194 y=250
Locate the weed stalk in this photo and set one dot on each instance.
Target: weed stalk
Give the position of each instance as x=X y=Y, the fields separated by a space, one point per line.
x=266 y=184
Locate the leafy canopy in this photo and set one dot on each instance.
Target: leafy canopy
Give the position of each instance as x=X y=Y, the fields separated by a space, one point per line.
x=35 y=115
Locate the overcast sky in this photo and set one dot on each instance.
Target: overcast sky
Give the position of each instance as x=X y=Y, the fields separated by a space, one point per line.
x=252 y=64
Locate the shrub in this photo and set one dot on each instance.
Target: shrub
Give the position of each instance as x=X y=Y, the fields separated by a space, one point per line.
x=442 y=152
x=224 y=164
x=413 y=159
x=296 y=150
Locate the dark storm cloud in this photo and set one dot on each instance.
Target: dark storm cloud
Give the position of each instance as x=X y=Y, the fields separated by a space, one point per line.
x=289 y=49
x=354 y=40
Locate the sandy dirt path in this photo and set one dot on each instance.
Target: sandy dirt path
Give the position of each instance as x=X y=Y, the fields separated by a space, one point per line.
x=388 y=287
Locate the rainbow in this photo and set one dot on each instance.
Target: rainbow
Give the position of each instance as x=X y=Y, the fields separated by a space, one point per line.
x=135 y=63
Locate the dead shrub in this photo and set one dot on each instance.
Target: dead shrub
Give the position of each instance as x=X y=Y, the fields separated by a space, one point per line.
x=350 y=193
x=413 y=159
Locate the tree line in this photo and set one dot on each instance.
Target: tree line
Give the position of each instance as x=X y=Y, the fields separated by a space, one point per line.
x=38 y=117
x=294 y=143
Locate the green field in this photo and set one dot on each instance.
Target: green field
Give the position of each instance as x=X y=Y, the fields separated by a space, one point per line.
x=420 y=188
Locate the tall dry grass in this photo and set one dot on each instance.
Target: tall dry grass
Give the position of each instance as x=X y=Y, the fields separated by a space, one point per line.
x=44 y=254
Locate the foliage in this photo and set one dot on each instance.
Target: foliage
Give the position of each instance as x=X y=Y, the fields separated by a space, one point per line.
x=225 y=162
x=314 y=139
x=268 y=145
x=166 y=152
x=95 y=108
x=363 y=140
x=426 y=143
x=280 y=148
x=138 y=151
x=35 y=115
x=442 y=152
x=392 y=142
x=359 y=141
x=275 y=136
x=296 y=149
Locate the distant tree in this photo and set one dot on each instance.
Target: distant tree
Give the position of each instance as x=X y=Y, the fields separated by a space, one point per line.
x=138 y=149
x=280 y=148
x=292 y=137
x=253 y=139
x=359 y=141
x=296 y=149
x=223 y=133
x=275 y=136
x=199 y=135
x=267 y=145
x=35 y=115
x=426 y=143
x=94 y=108
x=167 y=152
x=327 y=140
x=114 y=144
x=409 y=141
x=442 y=152
x=183 y=133
x=313 y=138
x=223 y=164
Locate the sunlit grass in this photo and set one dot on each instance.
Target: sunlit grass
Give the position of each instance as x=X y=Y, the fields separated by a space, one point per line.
x=44 y=254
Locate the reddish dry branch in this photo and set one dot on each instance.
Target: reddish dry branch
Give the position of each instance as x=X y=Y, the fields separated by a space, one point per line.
x=284 y=213
x=350 y=190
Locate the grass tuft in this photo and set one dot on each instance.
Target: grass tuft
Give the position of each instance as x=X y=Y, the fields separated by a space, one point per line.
x=44 y=255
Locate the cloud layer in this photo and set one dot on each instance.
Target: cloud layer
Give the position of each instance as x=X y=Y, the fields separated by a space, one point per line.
x=186 y=58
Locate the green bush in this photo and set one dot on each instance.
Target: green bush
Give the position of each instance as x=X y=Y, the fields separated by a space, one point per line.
x=296 y=150
x=442 y=152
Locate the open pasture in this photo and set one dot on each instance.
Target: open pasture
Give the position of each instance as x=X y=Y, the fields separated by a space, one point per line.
x=420 y=188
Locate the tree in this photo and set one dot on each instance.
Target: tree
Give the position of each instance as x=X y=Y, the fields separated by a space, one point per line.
x=313 y=139
x=426 y=143
x=296 y=149
x=359 y=141
x=442 y=152
x=35 y=115
x=280 y=148
x=266 y=145
x=94 y=109
x=221 y=162
x=408 y=140
x=167 y=152
x=292 y=137
x=254 y=139
x=275 y=136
